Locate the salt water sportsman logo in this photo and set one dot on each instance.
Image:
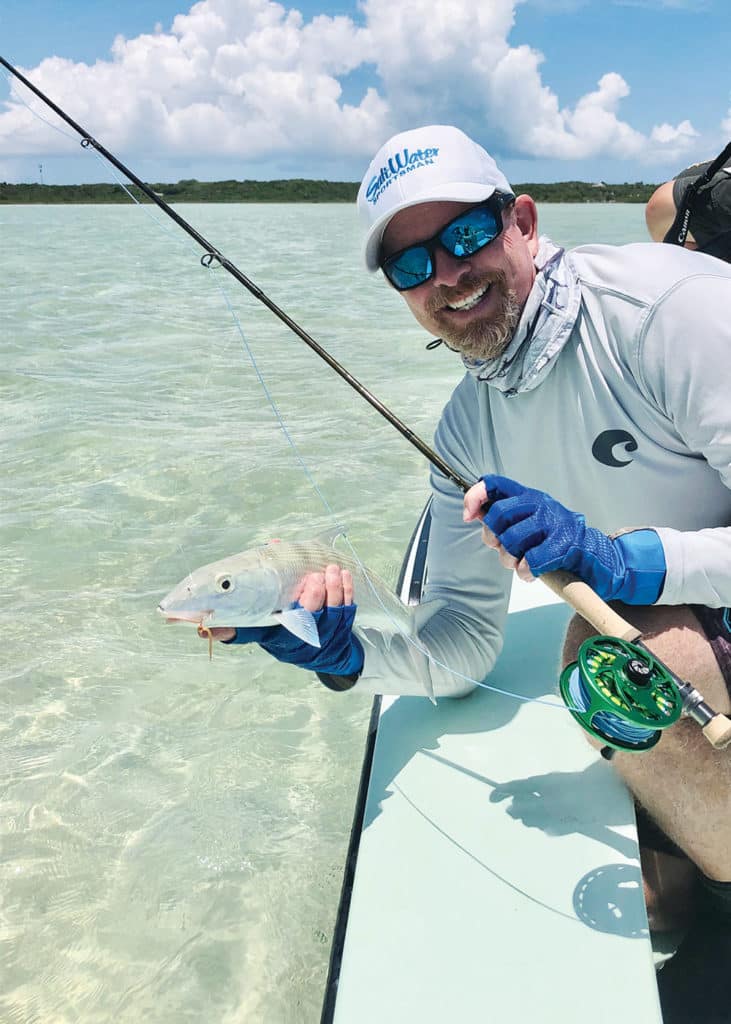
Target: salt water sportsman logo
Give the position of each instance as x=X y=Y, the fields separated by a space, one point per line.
x=607 y=441
x=398 y=165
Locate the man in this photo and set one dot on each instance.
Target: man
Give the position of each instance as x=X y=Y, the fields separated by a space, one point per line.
x=597 y=380
x=704 y=191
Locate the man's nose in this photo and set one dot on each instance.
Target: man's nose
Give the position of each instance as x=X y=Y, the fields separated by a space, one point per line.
x=448 y=269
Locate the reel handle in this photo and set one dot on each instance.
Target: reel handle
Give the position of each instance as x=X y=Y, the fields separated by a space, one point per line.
x=589 y=605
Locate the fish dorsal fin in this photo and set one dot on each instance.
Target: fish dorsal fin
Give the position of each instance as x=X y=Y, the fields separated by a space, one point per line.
x=329 y=536
x=300 y=623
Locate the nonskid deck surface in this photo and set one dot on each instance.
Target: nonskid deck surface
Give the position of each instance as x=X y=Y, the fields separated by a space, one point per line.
x=498 y=872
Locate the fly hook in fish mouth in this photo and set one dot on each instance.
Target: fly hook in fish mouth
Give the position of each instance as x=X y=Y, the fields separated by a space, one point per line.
x=206 y=631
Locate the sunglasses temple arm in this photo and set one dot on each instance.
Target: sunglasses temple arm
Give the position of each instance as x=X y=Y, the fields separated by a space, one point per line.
x=213 y=255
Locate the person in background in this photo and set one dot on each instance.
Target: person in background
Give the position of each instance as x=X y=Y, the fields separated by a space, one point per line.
x=595 y=415
x=709 y=208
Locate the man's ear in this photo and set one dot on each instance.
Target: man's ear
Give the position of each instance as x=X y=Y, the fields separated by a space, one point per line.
x=526 y=219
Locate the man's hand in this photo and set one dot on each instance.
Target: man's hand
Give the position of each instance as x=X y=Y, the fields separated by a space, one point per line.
x=539 y=535
x=475 y=502
x=333 y=588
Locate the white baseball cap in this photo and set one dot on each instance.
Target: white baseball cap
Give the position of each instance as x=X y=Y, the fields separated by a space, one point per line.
x=432 y=164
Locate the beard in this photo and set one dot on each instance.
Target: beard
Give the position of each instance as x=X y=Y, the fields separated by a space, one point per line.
x=484 y=337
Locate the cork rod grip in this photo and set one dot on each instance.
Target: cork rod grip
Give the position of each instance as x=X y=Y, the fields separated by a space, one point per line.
x=718 y=732
x=589 y=605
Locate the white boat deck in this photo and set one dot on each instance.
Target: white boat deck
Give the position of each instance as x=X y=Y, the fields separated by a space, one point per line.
x=498 y=874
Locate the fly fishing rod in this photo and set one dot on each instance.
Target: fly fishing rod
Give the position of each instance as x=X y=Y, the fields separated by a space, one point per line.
x=618 y=691
x=212 y=255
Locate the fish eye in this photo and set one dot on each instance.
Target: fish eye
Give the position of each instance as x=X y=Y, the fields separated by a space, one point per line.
x=224 y=583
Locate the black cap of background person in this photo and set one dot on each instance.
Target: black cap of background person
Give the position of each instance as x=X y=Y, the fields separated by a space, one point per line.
x=710 y=209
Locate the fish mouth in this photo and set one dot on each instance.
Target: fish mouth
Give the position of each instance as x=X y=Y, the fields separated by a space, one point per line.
x=197 y=617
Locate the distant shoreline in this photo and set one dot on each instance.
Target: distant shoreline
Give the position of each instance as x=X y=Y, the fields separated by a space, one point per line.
x=295 y=190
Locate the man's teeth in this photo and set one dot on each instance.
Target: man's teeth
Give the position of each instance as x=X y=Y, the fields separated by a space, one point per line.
x=470 y=300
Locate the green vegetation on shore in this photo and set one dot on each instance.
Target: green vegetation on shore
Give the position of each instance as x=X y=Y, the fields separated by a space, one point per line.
x=297 y=190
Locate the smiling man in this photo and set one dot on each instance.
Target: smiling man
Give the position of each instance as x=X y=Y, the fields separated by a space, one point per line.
x=598 y=380
x=475 y=312
x=571 y=357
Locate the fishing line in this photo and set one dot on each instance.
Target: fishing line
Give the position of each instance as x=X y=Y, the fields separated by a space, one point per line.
x=308 y=474
x=209 y=261
x=213 y=255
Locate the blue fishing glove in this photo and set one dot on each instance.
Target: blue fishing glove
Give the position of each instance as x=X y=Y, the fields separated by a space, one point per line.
x=339 y=653
x=531 y=524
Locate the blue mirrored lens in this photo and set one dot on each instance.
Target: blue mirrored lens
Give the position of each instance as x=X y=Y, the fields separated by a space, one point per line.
x=470 y=232
x=462 y=237
x=410 y=268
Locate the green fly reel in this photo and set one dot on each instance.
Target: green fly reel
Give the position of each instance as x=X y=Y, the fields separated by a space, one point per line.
x=619 y=693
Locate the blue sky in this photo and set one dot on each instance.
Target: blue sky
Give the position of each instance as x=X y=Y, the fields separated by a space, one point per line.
x=618 y=90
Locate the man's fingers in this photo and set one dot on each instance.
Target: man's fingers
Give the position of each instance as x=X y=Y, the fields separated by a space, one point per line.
x=339 y=586
x=334 y=586
x=489 y=538
x=506 y=559
x=313 y=593
x=474 y=499
x=348 y=588
x=524 y=571
x=520 y=566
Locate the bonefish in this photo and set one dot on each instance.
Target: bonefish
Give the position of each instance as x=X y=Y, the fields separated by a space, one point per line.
x=258 y=587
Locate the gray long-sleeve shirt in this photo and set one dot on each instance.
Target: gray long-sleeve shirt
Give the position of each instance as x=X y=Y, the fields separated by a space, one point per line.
x=614 y=397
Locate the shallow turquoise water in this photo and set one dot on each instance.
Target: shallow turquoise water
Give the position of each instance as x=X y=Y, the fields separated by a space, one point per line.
x=174 y=830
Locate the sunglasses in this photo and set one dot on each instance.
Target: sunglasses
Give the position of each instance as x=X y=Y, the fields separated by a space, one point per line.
x=461 y=237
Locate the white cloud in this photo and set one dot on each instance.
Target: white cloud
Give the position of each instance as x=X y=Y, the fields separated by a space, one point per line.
x=252 y=80
x=667 y=134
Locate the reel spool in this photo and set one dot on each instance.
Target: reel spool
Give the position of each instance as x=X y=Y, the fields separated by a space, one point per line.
x=619 y=693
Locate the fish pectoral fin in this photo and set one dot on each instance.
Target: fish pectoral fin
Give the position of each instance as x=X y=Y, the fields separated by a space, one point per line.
x=301 y=623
